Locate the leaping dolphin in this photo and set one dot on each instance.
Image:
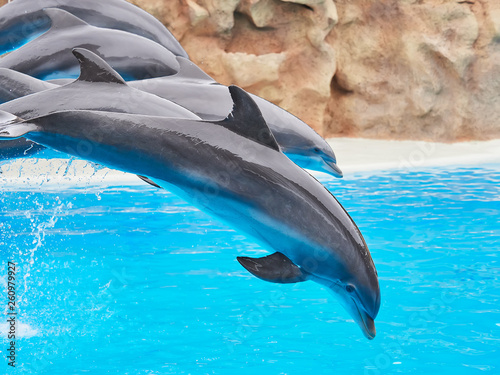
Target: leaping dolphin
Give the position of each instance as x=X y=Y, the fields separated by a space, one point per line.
x=232 y=169
x=49 y=55
x=194 y=90
x=98 y=87
x=23 y=20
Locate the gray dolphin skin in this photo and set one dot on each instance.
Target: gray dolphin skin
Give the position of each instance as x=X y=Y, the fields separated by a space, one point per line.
x=100 y=88
x=234 y=170
x=49 y=55
x=194 y=90
x=23 y=20
x=14 y=85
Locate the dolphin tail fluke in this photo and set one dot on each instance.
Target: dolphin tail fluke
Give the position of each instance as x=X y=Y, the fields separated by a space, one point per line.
x=275 y=268
x=12 y=127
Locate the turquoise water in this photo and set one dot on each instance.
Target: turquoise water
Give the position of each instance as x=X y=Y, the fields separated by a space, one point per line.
x=131 y=280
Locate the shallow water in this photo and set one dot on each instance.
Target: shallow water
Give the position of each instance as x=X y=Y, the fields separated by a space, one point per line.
x=131 y=280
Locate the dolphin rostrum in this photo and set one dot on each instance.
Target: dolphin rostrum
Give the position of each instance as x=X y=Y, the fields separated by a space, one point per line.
x=23 y=20
x=234 y=170
x=98 y=87
x=49 y=55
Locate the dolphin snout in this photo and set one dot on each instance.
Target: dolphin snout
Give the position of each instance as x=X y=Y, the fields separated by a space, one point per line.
x=353 y=305
x=334 y=169
x=367 y=324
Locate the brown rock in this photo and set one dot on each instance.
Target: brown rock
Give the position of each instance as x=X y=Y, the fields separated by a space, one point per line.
x=404 y=69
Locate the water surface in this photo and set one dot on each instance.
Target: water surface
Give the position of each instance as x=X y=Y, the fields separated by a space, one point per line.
x=131 y=280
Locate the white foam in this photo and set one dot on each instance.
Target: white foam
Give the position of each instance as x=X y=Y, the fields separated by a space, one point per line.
x=59 y=173
x=22 y=330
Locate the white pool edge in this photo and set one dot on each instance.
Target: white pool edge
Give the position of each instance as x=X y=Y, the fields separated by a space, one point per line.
x=365 y=155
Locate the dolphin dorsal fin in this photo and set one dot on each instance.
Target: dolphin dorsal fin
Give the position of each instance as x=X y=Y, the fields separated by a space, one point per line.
x=191 y=71
x=95 y=69
x=60 y=19
x=246 y=119
x=14 y=85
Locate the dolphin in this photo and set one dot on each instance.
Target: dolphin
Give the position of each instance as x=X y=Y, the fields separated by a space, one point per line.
x=23 y=20
x=234 y=170
x=198 y=92
x=49 y=55
x=98 y=87
x=194 y=90
x=14 y=85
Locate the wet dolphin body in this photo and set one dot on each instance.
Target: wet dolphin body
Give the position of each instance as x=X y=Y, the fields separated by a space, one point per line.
x=100 y=88
x=196 y=91
x=191 y=88
x=232 y=169
x=14 y=85
x=22 y=20
x=49 y=55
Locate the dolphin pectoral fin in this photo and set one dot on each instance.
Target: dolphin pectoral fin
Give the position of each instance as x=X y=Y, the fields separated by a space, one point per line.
x=12 y=127
x=275 y=268
x=145 y=179
x=15 y=130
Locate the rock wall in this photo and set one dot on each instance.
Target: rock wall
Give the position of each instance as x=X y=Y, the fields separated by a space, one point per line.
x=416 y=70
x=396 y=69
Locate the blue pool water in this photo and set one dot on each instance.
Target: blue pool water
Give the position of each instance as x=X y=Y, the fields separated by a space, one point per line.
x=131 y=280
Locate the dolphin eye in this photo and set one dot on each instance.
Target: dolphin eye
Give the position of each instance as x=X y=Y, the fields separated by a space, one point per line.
x=349 y=288
x=317 y=150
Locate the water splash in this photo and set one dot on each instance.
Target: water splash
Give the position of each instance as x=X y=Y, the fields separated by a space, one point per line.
x=23 y=330
x=54 y=173
x=39 y=231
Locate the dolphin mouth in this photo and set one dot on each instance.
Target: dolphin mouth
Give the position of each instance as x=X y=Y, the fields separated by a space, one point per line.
x=334 y=169
x=366 y=323
x=355 y=309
